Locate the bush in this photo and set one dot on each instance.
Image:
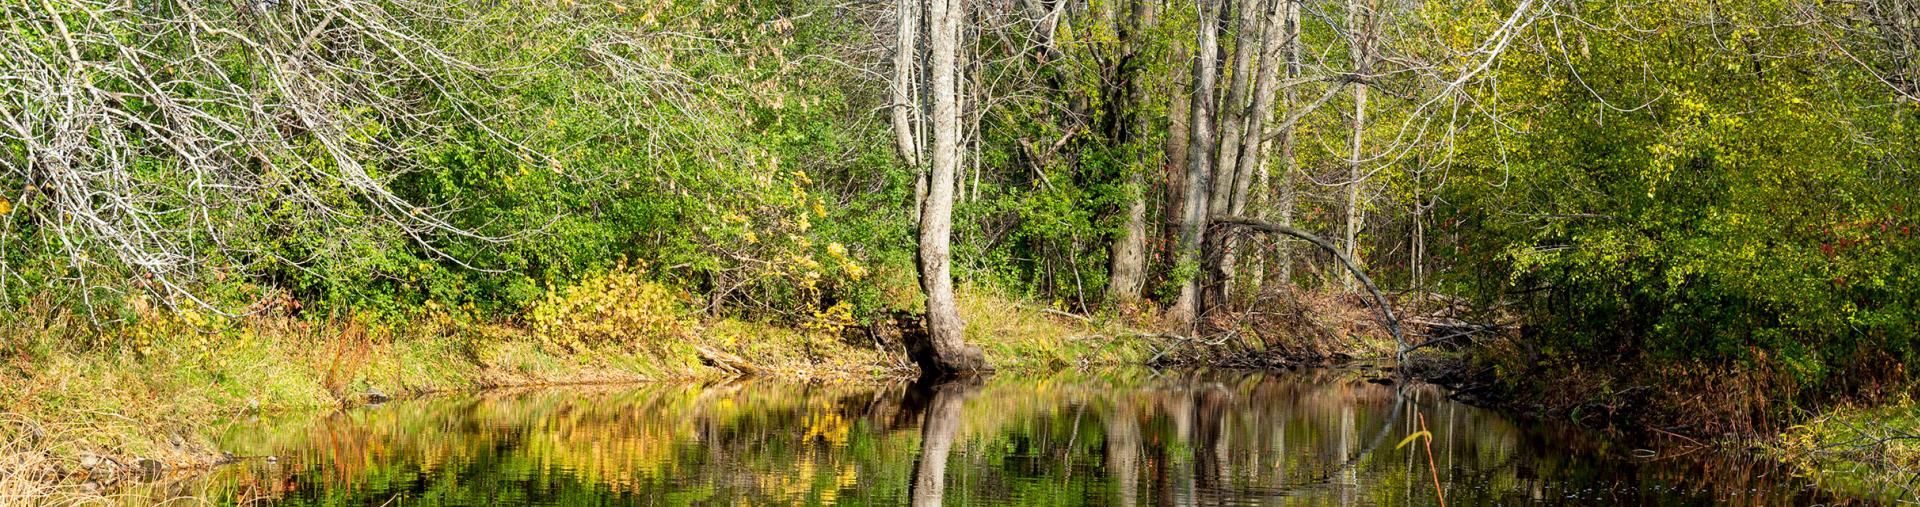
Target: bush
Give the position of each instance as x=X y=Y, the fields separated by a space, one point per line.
x=618 y=308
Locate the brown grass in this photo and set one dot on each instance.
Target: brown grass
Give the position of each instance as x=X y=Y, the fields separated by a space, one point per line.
x=1286 y=326
x=74 y=395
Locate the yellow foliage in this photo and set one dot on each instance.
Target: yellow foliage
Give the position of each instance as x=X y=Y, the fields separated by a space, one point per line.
x=620 y=307
x=832 y=320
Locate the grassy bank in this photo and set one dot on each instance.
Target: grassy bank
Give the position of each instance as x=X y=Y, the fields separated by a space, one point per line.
x=1872 y=452
x=86 y=408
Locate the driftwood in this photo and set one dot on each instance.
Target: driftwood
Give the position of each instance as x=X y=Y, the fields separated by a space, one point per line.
x=1380 y=300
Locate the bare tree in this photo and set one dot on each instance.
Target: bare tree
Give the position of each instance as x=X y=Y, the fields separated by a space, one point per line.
x=905 y=96
x=1357 y=38
x=144 y=133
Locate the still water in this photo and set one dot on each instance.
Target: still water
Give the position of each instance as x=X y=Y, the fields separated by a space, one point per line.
x=1110 y=437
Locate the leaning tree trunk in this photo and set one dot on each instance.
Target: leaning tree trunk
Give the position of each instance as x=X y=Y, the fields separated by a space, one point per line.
x=948 y=352
x=1379 y=299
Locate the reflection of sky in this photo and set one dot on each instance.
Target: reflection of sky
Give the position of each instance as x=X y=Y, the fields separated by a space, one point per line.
x=1116 y=437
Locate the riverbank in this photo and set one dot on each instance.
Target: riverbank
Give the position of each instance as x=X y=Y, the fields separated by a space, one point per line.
x=1871 y=452
x=84 y=412
x=1860 y=449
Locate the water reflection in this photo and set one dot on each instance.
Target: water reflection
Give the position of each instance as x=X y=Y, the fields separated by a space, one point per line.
x=1120 y=437
x=937 y=431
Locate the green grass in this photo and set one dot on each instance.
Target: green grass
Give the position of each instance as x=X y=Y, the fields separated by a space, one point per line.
x=1018 y=336
x=1871 y=452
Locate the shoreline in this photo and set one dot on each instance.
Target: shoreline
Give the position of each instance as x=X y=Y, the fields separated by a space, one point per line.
x=92 y=448
x=82 y=418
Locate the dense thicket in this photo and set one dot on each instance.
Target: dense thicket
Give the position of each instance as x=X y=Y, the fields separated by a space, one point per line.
x=1668 y=182
x=377 y=155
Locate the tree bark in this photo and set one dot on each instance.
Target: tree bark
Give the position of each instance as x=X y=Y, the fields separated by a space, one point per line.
x=1217 y=272
x=1199 y=163
x=1284 y=182
x=1126 y=275
x=1237 y=171
x=1233 y=112
x=904 y=105
x=1357 y=30
x=950 y=353
x=905 y=98
x=1253 y=150
x=1179 y=137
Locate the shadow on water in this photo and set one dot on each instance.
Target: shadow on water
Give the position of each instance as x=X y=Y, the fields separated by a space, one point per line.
x=1112 y=437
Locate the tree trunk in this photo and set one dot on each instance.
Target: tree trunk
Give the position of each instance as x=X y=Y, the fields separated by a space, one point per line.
x=905 y=106
x=1253 y=146
x=949 y=352
x=1127 y=273
x=1199 y=164
x=906 y=103
x=1284 y=181
x=1253 y=150
x=1217 y=274
x=1233 y=112
x=1179 y=137
x=1357 y=29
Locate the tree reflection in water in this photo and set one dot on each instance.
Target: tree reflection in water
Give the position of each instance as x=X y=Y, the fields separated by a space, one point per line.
x=1112 y=437
x=937 y=431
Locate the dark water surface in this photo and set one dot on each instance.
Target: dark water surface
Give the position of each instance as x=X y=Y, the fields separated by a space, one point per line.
x=1112 y=437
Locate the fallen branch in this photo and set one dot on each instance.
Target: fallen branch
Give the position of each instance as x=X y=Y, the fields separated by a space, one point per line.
x=1380 y=300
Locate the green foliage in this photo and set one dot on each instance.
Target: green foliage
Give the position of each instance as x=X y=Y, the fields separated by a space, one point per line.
x=1672 y=195
x=1712 y=186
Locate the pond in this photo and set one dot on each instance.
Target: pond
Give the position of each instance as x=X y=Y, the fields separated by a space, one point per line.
x=1102 y=437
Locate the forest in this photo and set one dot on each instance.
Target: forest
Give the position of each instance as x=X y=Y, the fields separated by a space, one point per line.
x=1675 y=217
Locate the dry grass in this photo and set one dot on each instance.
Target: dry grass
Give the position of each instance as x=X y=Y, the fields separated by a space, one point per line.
x=1286 y=325
x=84 y=405
x=50 y=464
